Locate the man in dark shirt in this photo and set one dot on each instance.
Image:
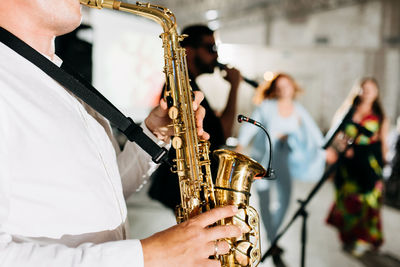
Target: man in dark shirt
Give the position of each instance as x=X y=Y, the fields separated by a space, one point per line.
x=201 y=55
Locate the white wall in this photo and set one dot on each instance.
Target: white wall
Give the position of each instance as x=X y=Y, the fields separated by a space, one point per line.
x=128 y=58
x=327 y=71
x=253 y=33
x=326 y=75
x=128 y=61
x=353 y=26
x=391 y=92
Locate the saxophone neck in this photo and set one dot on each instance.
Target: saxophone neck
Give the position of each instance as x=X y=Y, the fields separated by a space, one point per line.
x=159 y=14
x=98 y=3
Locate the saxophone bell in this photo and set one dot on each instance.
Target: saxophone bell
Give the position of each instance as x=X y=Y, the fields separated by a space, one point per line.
x=236 y=173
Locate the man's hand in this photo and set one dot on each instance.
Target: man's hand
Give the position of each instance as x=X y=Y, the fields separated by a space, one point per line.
x=233 y=76
x=192 y=242
x=158 y=121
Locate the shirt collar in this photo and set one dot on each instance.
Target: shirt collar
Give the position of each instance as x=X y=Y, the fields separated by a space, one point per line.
x=56 y=60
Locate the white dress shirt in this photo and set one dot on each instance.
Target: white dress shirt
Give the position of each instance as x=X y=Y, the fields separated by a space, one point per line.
x=61 y=195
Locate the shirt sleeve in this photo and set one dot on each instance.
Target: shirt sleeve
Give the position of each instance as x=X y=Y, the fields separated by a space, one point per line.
x=135 y=165
x=31 y=254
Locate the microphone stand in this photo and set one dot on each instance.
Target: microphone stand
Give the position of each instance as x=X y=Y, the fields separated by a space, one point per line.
x=301 y=211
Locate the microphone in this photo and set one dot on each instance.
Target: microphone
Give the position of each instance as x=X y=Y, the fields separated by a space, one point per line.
x=247 y=119
x=247 y=80
x=270 y=172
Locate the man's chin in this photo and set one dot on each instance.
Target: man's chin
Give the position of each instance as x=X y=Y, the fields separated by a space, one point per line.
x=205 y=68
x=208 y=70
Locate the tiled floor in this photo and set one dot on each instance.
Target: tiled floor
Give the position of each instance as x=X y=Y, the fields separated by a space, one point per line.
x=323 y=248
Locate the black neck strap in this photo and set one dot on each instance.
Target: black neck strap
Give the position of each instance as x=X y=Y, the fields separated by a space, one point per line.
x=87 y=93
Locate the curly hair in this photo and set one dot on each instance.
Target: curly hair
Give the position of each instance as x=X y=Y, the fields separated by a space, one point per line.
x=268 y=90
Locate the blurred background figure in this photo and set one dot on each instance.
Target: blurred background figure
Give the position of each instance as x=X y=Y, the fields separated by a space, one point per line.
x=296 y=145
x=392 y=185
x=358 y=179
x=201 y=56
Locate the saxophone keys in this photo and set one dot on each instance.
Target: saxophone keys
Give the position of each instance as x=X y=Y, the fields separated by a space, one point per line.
x=181 y=37
x=253 y=222
x=174 y=169
x=204 y=162
x=255 y=255
x=242 y=253
x=242 y=224
x=173 y=112
x=177 y=142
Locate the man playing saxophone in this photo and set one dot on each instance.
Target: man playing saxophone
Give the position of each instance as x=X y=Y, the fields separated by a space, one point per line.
x=61 y=201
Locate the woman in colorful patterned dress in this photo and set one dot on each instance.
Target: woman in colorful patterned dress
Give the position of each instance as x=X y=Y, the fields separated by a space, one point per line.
x=358 y=179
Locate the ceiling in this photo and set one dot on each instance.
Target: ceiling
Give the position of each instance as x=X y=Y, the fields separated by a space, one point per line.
x=225 y=11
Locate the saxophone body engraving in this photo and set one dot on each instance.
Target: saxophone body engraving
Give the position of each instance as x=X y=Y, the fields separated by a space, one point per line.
x=236 y=172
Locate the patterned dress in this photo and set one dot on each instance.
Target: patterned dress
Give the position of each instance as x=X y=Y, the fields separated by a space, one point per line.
x=358 y=182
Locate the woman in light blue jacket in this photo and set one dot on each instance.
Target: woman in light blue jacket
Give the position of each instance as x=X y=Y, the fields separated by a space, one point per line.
x=296 y=148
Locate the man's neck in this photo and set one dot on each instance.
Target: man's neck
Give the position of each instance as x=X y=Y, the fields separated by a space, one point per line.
x=43 y=43
x=40 y=40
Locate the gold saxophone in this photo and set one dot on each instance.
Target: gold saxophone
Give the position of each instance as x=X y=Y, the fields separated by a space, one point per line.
x=236 y=172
